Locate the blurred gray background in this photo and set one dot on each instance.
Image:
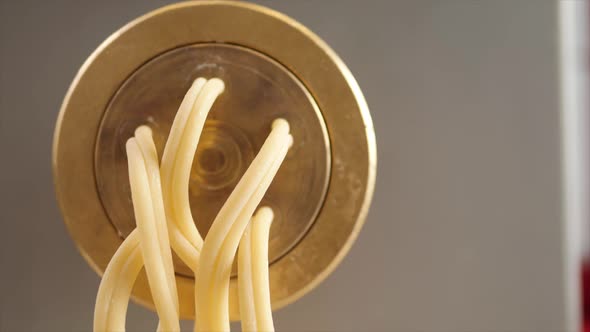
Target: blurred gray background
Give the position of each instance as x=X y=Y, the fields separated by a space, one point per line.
x=464 y=233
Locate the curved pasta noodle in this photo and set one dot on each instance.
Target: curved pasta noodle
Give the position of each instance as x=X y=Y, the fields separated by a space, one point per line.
x=143 y=137
x=221 y=280
x=227 y=228
x=109 y=279
x=260 y=280
x=184 y=160
x=245 y=289
x=253 y=283
x=120 y=301
x=146 y=226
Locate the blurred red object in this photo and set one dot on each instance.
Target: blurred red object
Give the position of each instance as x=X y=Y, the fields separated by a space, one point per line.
x=586 y=296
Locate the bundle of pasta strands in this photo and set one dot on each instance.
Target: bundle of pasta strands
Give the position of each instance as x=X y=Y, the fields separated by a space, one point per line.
x=164 y=221
x=124 y=267
x=220 y=246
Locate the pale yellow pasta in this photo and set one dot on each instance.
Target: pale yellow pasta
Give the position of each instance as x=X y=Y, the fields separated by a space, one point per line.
x=188 y=252
x=211 y=302
x=120 y=298
x=109 y=279
x=184 y=158
x=164 y=221
x=253 y=283
x=245 y=291
x=146 y=225
x=182 y=246
x=260 y=280
x=220 y=284
x=176 y=133
x=143 y=136
x=213 y=275
x=120 y=301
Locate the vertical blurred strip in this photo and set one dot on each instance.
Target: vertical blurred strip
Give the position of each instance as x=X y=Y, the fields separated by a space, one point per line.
x=574 y=128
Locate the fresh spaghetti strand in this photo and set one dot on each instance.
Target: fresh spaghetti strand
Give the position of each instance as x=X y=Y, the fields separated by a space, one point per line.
x=109 y=279
x=145 y=220
x=211 y=284
x=125 y=266
x=184 y=159
x=120 y=300
x=222 y=273
x=253 y=283
x=260 y=280
x=169 y=157
x=184 y=248
x=120 y=297
x=208 y=310
x=143 y=136
x=176 y=131
x=245 y=291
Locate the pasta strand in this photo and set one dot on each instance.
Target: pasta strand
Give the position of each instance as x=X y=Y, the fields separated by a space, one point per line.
x=108 y=282
x=245 y=290
x=223 y=270
x=213 y=274
x=145 y=219
x=143 y=136
x=260 y=281
x=184 y=159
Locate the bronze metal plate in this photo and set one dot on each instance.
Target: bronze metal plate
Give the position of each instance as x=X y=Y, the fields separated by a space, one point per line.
x=266 y=33
x=258 y=90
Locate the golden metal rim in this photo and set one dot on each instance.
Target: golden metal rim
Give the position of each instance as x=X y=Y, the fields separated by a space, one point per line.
x=322 y=72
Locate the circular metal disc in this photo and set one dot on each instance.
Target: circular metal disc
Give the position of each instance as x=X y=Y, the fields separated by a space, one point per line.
x=87 y=167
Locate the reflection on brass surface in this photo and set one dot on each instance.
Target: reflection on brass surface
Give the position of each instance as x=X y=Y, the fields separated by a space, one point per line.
x=258 y=90
x=107 y=99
